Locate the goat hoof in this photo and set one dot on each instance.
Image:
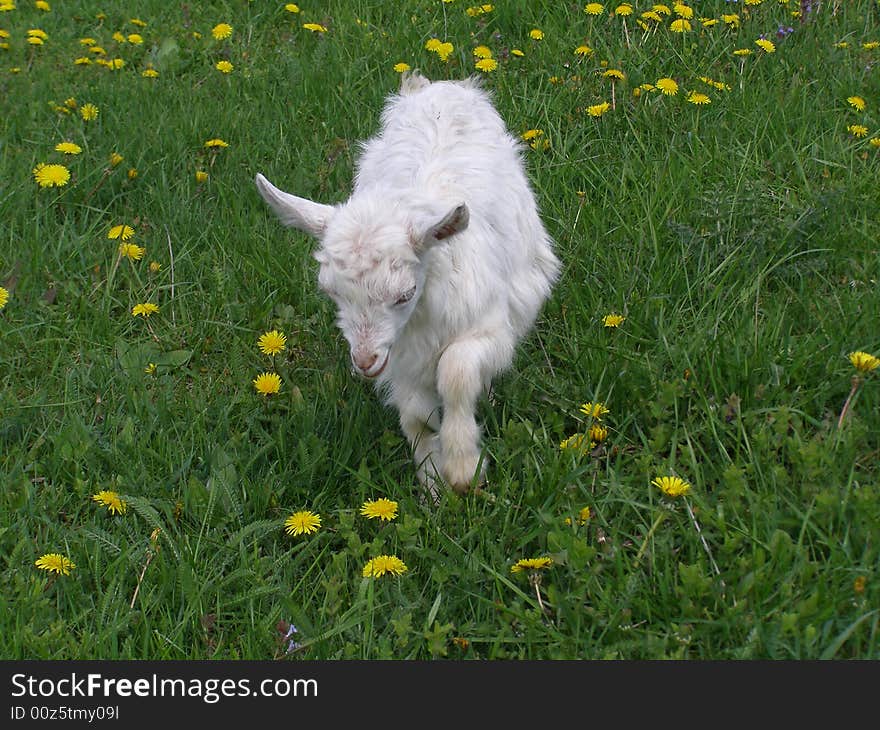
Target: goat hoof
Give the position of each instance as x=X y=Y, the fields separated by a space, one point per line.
x=464 y=475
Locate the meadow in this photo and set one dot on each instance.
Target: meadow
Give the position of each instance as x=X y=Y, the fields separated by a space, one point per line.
x=709 y=172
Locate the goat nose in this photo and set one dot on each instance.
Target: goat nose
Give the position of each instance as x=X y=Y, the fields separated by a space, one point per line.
x=365 y=362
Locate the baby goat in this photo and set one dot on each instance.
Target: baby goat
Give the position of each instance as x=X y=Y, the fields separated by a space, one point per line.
x=438 y=264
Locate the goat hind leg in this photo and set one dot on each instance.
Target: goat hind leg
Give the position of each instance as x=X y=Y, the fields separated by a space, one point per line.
x=420 y=423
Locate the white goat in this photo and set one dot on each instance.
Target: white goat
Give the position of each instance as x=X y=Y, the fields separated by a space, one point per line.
x=438 y=264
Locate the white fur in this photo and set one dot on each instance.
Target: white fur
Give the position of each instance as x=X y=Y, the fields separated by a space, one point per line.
x=441 y=210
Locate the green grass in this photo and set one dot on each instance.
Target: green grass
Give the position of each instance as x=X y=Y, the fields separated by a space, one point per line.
x=738 y=238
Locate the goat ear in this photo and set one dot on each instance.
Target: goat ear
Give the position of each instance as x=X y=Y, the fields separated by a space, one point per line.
x=455 y=221
x=295 y=212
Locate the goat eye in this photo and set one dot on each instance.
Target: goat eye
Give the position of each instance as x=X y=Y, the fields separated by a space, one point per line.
x=406 y=296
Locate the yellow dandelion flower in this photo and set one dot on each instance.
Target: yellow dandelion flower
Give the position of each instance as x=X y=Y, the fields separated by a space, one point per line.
x=150 y=73
x=531 y=564
x=145 y=309
x=683 y=11
x=597 y=110
x=597 y=433
x=315 y=27
x=444 y=51
x=874 y=141
x=201 y=176
x=112 y=501
x=216 y=143
x=856 y=102
x=55 y=563
x=661 y=9
x=272 y=343
x=623 y=10
x=138 y=22
x=483 y=52
x=864 y=362
x=743 y=52
x=4 y=296
x=871 y=45
x=516 y=52
x=487 y=65
x=383 y=509
x=709 y=22
x=87 y=42
x=51 y=176
x=131 y=251
x=680 y=25
x=304 y=522
x=224 y=67
x=82 y=61
x=221 y=31
x=121 y=231
x=151 y=368
x=615 y=320
x=583 y=51
x=577 y=442
x=857 y=130
x=291 y=8
x=89 y=112
x=536 y=34
x=401 y=67
x=720 y=85
x=155 y=267
x=135 y=39
x=695 y=97
x=732 y=20
x=594 y=410
x=536 y=139
x=766 y=45
x=68 y=148
x=35 y=40
x=614 y=73
x=132 y=173
x=115 y=159
x=669 y=87
x=384 y=565
x=267 y=383
x=583 y=517
x=42 y=5
x=118 y=37
x=671 y=486
x=594 y=8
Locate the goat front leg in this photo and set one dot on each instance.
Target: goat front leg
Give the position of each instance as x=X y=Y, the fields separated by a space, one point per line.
x=465 y=369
